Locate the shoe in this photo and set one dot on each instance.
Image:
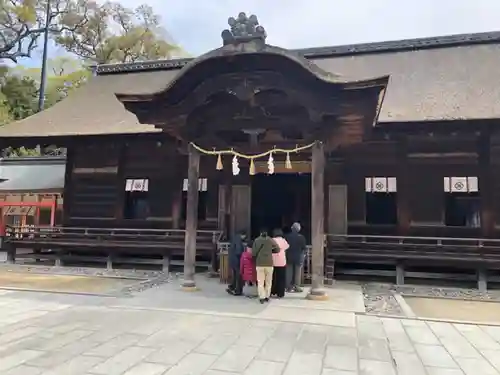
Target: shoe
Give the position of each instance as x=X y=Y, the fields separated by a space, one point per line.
x=230 y=291
x=297 y=289
x=262 y=301
x=289 y=290
x=266 y=299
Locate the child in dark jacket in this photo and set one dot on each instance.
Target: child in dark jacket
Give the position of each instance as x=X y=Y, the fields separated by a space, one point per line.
x=248 y=271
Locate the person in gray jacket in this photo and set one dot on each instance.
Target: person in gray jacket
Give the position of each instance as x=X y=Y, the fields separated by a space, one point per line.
x=294 y=258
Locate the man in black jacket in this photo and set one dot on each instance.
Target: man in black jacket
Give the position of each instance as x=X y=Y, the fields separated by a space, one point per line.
x=237 y=248
x=294 y=258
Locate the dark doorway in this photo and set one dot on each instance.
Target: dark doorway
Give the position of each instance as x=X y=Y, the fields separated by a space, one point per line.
x=381 y=208
x=279 y=200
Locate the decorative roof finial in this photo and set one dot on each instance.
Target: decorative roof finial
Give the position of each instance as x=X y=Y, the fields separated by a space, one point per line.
x=243 y=29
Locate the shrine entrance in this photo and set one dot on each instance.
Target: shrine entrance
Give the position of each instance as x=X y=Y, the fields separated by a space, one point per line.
x=238 y=103
x=279 y=200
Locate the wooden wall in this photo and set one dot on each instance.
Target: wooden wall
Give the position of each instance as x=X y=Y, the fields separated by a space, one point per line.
x=97 y=171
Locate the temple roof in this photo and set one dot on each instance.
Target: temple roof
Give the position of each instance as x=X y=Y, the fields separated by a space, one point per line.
x=431 y=79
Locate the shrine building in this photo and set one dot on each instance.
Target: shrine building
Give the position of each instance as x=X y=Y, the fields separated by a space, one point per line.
x=392 y=143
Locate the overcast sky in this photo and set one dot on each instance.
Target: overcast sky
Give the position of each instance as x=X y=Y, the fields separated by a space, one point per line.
x=196 y=24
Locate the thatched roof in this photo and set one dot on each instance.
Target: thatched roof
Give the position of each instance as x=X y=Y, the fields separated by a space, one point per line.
x=443 y=78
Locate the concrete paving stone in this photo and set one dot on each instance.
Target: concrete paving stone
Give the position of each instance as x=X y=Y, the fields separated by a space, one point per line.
x=304 y=364
x=19 y=358
x=443 y=329
x=370 y=330
x=493 y=356
x=103 y=335
x=408 y=363
x=217 y=372
x=147 y=369
x=259 y=367
x=477 y=337
x=68 y=327
x=288 y=331
x=400 y=342
x=392 y=325
x=475 y=366
x=160 y=339
x=459 y=347
x=326 y=317
x=76 y=366
x=312 y=339
x=435 y=356
x=331 y=371
x=277 y=350
x=8 y=337
x=122 y=361
x=493 y=331
x=422 y=335
x=343 y=336
x=63 y=339
x=173 y=353
x=376 y=349
x=413 y=323
x=56 y=357
x=23 y=370
x=444 y=371
x=255 y=337
x=341 y=358
x=370 y=367
x=236 y=358
x=193 y=364
x=217 y=344
x=114 y=346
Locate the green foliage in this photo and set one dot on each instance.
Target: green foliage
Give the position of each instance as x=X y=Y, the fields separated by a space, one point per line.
x=22 y=23
x=114 y=33
x=20 y=95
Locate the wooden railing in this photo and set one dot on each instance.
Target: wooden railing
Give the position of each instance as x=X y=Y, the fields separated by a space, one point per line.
x=430 y=249
x=82 y=236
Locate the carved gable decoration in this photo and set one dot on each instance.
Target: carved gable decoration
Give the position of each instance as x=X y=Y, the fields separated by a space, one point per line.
x=243 y=29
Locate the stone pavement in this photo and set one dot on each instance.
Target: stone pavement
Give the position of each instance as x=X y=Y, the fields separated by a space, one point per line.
x=52 y=334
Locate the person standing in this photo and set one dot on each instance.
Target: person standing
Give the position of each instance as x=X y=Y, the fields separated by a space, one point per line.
x=262 y=251
x=279 y=264
x=236 y=249
x=294 y=258
x=248 y=273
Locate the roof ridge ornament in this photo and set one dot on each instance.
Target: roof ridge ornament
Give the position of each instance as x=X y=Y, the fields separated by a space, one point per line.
x=243 y=29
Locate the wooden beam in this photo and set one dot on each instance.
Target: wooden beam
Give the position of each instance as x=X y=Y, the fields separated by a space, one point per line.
x=317 y=291
x=191 y=219
x=485 y=185
x=403 y=187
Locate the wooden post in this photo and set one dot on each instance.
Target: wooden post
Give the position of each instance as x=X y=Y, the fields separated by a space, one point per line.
x=53 y=210
x=317 y=291
x=191 y=219
x=403 y=187
x=485 y=185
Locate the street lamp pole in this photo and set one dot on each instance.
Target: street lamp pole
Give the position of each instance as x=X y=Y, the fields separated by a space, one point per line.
x=43 y=76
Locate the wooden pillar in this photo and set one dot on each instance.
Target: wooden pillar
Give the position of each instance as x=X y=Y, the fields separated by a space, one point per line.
x=317 y=223
x=485 y=185
x=53 y=210
x=403 y=187
x=191 y=219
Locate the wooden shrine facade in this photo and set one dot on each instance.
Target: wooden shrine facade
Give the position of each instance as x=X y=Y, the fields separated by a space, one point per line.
x=382 y=159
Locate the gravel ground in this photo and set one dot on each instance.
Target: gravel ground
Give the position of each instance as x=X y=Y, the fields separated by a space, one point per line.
x=454 y=293
x=379 y=299
x=146 y=279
